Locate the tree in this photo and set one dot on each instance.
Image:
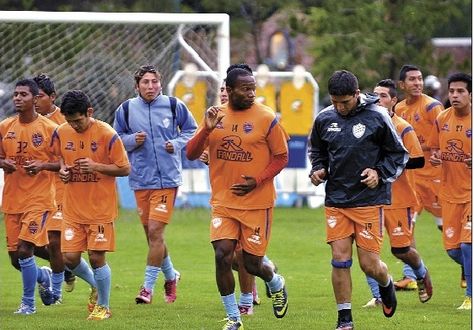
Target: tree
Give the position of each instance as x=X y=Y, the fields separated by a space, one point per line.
x=374 y=39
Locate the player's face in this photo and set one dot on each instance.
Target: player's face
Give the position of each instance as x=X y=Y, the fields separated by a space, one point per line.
x=79 y=122
x=345 y=103
x=413 y=83
x=149 y=86
x=23 y=99
x=459 y=96
x=223 y=97
x=242 y=96
x=385 y=100
x=44 y=103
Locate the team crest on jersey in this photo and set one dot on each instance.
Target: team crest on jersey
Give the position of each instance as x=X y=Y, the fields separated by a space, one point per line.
x=70 y=146
x=33 y=227
x=469 y=133
x=445 y=128
x=248 y=127
x=220 y=125
x=416 y=117
x=10 y=136
x=166 y=122
x=37 y=139
x=358 y=130
x=94 y=146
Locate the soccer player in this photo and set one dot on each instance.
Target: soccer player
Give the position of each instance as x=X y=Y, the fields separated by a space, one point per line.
x=355 y=149
x=46 y=107
x=398 y=216
x=28 y=200
x=420 y=111
x=154 y=128
x=451 y=145
x=92 y=155
x=247 y=149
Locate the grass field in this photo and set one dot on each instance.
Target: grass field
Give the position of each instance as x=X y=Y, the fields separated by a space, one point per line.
x=297 y=246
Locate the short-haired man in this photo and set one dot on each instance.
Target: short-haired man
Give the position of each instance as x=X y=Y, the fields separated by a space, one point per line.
x=355 y=149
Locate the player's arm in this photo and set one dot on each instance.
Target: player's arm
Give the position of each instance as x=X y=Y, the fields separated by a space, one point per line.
x=131 y=140
x=318 y=156
x=8 y=165
x=199 y=141
x=35 y=166
x=412 y=144
x=187 y=127
x=433 y=143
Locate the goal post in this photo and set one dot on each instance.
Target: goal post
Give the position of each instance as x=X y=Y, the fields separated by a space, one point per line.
x=98 y=52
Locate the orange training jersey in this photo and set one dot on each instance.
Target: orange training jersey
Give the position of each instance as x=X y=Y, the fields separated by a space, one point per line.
x=90 y=198
x=243 y=143
x=57 y=117
x=453 y=135
x=403 y=192
x=22 y=143
x=421 y=115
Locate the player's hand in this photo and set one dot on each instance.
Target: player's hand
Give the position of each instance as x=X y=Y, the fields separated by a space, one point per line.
x=214 y=116
x=169 y=147
x=241 y=189
x=65 y=174
x=435 y=158
x=86 y=165
x=33 y=167
x=318 y=177
x=8 y=165
x=468 y=161
x=371 y=178
x=204 y=157
x=140 y=138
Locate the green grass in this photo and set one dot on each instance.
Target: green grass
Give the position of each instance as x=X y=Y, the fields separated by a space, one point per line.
x=297 y=246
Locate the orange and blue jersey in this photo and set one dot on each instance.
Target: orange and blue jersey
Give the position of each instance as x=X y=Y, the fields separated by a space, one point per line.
x=90 y=197
x=24 y=143
x=452 y=135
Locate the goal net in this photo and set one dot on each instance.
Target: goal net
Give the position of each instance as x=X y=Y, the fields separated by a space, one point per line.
x=98 y=52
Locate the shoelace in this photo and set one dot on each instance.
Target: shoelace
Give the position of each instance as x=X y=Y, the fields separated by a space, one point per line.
x=279 y=298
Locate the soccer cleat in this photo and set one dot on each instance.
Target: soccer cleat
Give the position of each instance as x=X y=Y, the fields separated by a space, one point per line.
x=280 y=300
x=92 y=299
x=57 y=300
x=389 y=299
x=25 y=309
x=45 y=288
x=170 y=288
x=246 y=310
x=144 y=296
x=70 y=280
x=233 y=325
x=425 y=287
x=256 y=298
x=100 y=313
x=405 y=284
x=374 y=302
x=345 y=325
x=466 y=304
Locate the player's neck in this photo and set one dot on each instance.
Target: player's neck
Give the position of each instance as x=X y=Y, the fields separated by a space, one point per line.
x=462 y=112
x=27 y=117
x=410 y=99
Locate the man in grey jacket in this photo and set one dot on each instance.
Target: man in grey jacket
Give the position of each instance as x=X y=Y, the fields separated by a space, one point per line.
x=355 y=148
x=154 y=128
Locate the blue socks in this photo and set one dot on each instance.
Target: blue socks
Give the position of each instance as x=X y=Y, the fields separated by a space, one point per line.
x=57 y=279
x=102 y=277
x=420 y=272
x=231 y=308
x=408 y=272
x=246 y=299
x=466 y=249
x=84 y=271
x=275 y=284
x=168 y=269
x=29 y=274
x=151 y=274
x=374 y=287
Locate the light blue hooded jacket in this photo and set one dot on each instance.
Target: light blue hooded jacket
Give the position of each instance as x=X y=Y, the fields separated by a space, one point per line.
x=152 y=166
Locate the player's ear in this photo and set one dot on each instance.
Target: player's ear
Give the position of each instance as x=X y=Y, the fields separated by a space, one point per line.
x=90 y=111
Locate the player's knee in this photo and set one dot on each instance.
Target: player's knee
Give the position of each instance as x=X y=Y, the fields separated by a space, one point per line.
x=400 y=250
x=341 y=264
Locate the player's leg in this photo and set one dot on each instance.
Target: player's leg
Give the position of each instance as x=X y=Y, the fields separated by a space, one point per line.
x=466 y=249
x=246 y=283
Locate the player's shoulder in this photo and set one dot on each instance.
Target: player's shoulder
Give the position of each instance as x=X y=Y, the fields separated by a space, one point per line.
x=445 y=115
x=430 y=103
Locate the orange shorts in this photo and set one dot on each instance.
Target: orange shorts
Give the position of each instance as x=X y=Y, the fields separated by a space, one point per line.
x=155 y=204
x=457 y=224
x=28 y=226
x=427 y=194
x=251 y=228
x=78 y=237
x=399 y=226
x=365 y=224
x=56 y=220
